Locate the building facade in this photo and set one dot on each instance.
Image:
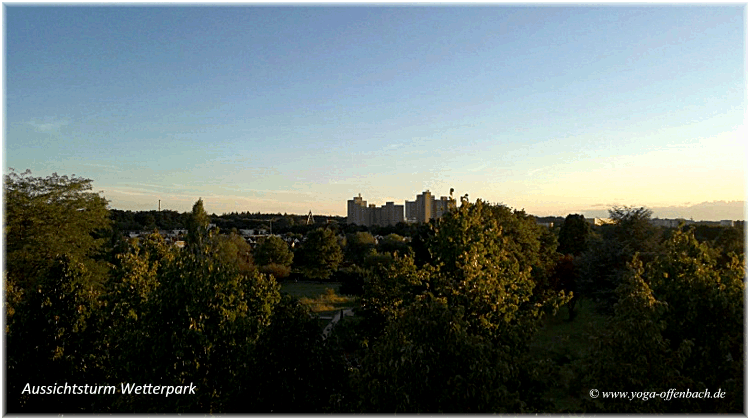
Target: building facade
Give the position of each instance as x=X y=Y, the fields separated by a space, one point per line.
x=356 y=211
x=359 y=213
x=424 y=208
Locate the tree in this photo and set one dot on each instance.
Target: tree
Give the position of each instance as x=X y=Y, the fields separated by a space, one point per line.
x=463 y=320
x=604 y=264
x=388 y=289
x=233 y=250
x=635 y=231
x=563 y=278
x=197 y=226
x=428 y=362
x=573 y=235
x=293 y=370
x=321 y=254
x=678 y=323
x=50 y=336
x=706 y=301
x=488 y=257
x=393 y=243
x=632 y=355
x=202 y=322
x=358 y=246
x=273 y=256
x=730 y=241
x=49 y=217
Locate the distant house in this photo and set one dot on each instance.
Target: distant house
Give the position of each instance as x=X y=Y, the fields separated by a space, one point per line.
x=667 y=223
x=597 y=221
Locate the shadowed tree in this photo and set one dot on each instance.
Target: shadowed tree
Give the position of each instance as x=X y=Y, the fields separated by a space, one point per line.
x=573 y=235
x=197 y=226
x=631 y=354
x=321 y=254
x=273 y=256
x=358 y=246
x=604 y=264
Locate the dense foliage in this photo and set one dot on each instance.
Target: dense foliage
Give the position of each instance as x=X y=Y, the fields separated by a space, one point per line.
x=445 y=317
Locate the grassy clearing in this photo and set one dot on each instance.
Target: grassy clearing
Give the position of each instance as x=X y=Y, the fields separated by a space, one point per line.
x=321 y=298
x=566 y=342
x=307 y=289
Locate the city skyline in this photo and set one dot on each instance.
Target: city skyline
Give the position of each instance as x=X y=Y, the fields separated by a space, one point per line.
x=551 y=109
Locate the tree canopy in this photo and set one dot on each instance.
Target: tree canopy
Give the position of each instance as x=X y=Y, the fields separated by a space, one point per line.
x=47 y=217
x=321 y=254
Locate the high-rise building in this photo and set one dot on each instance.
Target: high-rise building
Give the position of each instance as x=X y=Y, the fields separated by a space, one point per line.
x=422 y=210
x=426 y=207
x=410 y=208
x=442 y=206
x=392 y=214
x=356 y=210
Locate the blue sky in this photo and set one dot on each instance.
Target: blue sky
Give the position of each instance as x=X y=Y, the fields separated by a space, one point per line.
x=555 y=109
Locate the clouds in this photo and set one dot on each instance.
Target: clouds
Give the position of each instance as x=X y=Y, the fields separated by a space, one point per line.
x=48 y=124
x=711 y=211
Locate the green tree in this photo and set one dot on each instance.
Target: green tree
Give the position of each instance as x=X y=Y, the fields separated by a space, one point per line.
x=573 y=235
x=635 y=232
x=129 y=300
x=393 y=243
x=54 y=273
x=678 y=324
x=273 y=256
x=204 y=318
x=707 y=307
x=46 y=217
x=632 y=355
x=293 y=370
x=604 y=264
x=428 y=362
x=564 y=277
x=358 y=246
x=730 y=241
x=321 y=254
x=388 y=289
x=473 y=310
x=198 y=226
x=487 y=257
x=50 y=336
x=233 y=250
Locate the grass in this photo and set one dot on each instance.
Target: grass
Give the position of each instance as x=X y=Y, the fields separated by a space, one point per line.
x=321 y=298
x=307 y=289
x=565 y=342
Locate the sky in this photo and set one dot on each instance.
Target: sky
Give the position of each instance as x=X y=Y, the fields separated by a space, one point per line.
x=554 y=109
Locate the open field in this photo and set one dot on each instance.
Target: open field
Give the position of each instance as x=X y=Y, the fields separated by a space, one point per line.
x=318 y=296
x=308 y=289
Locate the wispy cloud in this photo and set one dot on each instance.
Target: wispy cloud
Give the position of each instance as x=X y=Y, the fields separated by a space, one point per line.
x=477 y=168
x=393 y=146
x=98 y=165
x=48 y=124
x=537 y=170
